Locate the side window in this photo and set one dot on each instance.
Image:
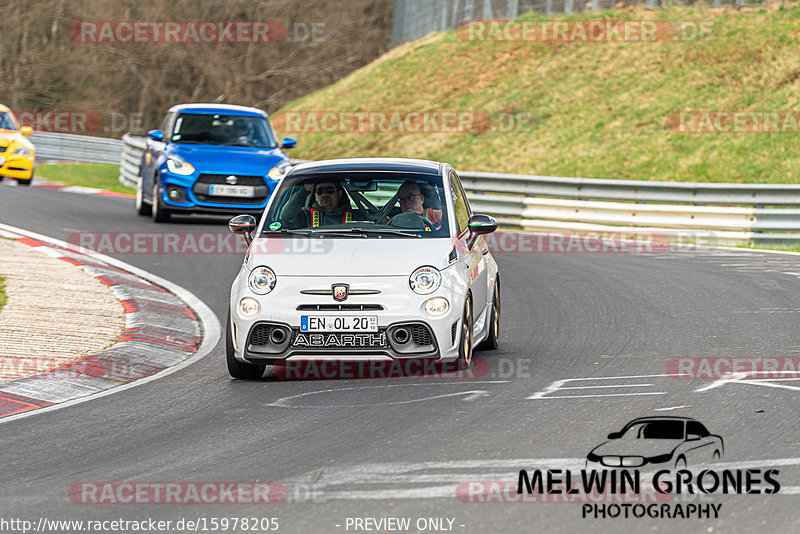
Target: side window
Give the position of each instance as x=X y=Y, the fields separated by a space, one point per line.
x=694 y=427
x=459 y=202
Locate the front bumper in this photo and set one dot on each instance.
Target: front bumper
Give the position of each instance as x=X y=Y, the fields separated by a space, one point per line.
x=401 y=308
x=195 y=198
x=19 y=167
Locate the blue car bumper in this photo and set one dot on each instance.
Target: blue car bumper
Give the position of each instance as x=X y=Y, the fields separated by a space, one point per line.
x=194 y=193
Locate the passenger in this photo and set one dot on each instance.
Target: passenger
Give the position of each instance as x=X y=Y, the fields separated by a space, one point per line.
x=330 y=207
x=412 y=200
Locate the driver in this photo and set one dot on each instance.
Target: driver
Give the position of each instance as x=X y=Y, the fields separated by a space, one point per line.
x=241 y=132
x=330 y=207
x=411 y=201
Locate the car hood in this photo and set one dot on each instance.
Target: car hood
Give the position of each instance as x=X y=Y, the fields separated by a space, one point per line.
x=8 y=138
x=210 y=159
x=637 y=447
x=301 y=256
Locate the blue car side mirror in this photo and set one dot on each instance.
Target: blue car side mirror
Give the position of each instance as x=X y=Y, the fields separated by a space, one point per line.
x=288 y=142
x=156 y=135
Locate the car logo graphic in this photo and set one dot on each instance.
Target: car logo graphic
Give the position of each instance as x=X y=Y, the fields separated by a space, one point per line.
x=674 y=442
x=232 y=180
x=340 y=292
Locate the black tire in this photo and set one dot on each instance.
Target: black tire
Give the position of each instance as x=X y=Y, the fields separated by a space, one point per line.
x=237 y=369
x=465 y=345
x=157 y=210
x=142 y=207
x=493 y=341
x=25 y=183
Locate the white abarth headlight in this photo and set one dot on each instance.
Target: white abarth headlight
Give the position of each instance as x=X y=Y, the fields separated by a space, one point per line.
x=22 y=151
x=249 y=307
x=178 y=165
x=261 y=280
x=425 y=280
x=436 y=307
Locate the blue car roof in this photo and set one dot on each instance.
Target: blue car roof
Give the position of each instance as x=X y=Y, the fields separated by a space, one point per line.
x=226 y=109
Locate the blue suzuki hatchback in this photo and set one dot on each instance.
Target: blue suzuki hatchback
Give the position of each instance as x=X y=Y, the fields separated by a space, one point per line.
x=210 y=158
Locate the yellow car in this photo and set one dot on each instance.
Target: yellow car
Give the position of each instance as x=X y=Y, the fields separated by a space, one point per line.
x=16 y=152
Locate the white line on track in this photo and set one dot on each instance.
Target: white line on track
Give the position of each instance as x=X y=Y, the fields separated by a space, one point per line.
x=208 y=321
x=285 y=402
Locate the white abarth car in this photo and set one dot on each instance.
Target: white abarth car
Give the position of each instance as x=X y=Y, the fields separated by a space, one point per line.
x=359 y=259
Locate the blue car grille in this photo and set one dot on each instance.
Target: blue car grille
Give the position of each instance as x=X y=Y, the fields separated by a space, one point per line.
x=203 y=183
x=221 y=179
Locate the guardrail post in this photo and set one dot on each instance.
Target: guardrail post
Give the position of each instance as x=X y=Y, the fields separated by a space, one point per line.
x=568 y=7
x=595 y=5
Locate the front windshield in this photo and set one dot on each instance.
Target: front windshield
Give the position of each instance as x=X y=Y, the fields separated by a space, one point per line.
x=656 y=430
x=217 y=129
x=6 y=123
x=368 y=205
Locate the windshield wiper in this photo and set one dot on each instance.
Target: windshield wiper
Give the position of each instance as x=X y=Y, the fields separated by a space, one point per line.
x=306 y=233
x=385 y=231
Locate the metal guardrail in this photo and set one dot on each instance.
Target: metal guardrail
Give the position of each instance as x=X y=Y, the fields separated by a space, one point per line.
x=131 y=159
x=69 y=147
x=685 y=211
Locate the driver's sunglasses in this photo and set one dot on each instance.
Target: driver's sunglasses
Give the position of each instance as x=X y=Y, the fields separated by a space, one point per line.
x=409 y=197
x=329 y=190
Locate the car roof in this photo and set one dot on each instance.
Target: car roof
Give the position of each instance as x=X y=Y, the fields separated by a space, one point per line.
x=228 y=109
x=4 y=108
x=415 y=166
x=661 y=418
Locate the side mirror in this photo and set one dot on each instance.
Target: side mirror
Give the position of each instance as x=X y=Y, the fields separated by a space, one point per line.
x=614 y=435
x=482 y=224
x=288 y=142
x=692 y=437
x=156 y=135
x=26 y=130
x=244 y=225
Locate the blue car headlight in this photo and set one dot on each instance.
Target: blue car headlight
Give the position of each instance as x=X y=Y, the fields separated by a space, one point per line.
x=279 y=171
x=178 y=165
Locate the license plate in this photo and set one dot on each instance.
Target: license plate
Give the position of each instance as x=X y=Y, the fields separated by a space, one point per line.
x=315 y=323
x=245 y=191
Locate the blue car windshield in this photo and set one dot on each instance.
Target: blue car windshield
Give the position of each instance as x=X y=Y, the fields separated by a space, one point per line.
x=5 y=122
x=217 y=129
x=360 y=205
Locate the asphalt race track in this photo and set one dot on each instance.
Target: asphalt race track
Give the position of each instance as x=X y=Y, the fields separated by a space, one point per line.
x=585 y=341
